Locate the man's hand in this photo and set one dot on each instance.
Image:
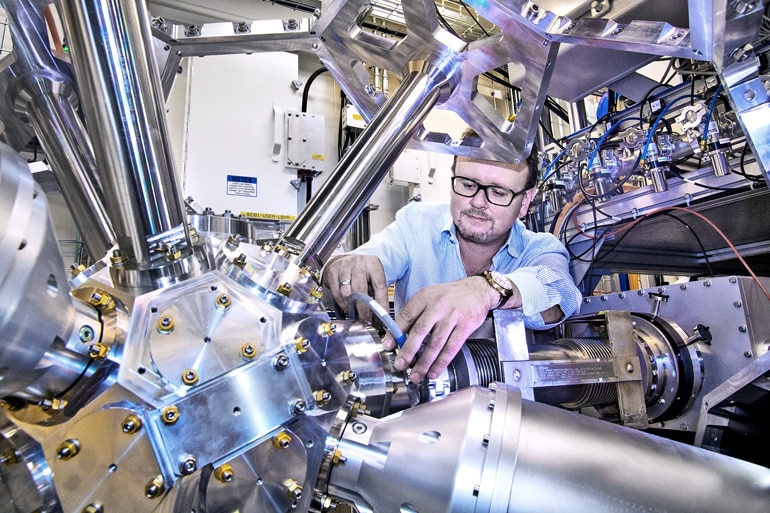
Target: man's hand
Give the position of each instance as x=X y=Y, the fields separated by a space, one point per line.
x=442 y=317
x=346 y=274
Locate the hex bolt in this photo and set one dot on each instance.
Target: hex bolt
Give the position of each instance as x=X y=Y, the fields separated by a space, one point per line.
x=165 y=325
x=748 y=354
x=328 y=329
x=240 y=260
x=190 y=377
x=224 y=473
x=234 y=241
x=248 y=351
x=485 y=441
x=338 y=457
x=155 y=487
x=629 y=368
x=86 y=334
x=98 y=351
x=169 y=415
x=187 y=465
x=322 y=397
x=317 y=293
x=94 y=507
x=172 y=253
x=491 y=404
x=476 y=490
x=293 y=490
x=285 y=289
x=99 y=300
x=742 y=328
x=68 y=449
x=301 y=344
x=282 y=440
x=517 y=375
x=298 y=407
x=281 y=361
x=131 y=424
x=117 y=258
x=223 y=302
x=349 y=377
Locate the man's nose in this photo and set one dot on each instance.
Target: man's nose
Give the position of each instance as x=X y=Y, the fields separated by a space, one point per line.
x=480 y=199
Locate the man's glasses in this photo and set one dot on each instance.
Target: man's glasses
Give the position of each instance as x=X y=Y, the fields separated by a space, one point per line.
x=496 y=195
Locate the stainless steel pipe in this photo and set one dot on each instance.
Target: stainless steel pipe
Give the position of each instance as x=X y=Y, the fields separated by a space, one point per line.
x=488 y=450
x=119 y=83
x=43 y=94
x=334 y=208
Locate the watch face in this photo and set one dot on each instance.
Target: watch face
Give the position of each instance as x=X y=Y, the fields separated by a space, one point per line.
x=502 y=280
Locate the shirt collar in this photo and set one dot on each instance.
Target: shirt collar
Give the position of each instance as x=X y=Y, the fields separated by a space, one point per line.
x=514 y=245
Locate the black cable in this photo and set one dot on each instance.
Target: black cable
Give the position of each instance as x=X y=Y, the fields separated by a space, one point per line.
x=474 y=19
x=306 y=90
x=742 y=172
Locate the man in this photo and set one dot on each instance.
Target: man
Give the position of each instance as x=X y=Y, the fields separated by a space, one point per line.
x=454 y=263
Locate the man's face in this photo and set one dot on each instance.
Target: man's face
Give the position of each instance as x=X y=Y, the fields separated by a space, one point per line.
x=479 y=220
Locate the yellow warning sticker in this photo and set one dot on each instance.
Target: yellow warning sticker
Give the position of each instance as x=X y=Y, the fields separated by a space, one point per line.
x=318 y=156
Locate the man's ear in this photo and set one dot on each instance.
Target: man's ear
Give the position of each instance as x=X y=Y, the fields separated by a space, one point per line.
x=528 y=197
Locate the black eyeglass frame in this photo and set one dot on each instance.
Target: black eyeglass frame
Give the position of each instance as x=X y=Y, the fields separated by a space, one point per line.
x=485 y=188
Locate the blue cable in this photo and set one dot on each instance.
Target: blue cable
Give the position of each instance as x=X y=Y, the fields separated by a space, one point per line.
x=398 y=335
x=710 y=112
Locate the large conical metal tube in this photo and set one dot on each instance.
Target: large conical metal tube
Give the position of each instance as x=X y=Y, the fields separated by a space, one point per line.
x=335 y=207
x=487 y=450
x=119 y=85
x=42 y=92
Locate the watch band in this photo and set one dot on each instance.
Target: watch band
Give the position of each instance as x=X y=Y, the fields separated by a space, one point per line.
x=504 y=292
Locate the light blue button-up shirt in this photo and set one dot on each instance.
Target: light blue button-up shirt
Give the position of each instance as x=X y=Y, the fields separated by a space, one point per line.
x=420 y=248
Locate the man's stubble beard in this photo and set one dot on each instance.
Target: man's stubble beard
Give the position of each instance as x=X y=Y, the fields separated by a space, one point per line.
x=474 y=236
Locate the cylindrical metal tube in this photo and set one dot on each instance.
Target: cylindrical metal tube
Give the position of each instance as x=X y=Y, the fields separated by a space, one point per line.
x=36 y=309
x=326 y=218
x=119 y=83
x=487 y=450
x=67 y=147
x=42 y=93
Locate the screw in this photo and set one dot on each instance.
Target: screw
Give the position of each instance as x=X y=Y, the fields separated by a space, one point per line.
x=224 y=473
x=302 y=344
x=68 y=449
x=349 y=376
x=322 y=397
x=165 y=325
x=223 y=302
x=188 y=465
x=737 y=304
x=98 y=351
x=491 y=404
x=293 y=490
x=281 y=361
x=155 y=488
x=117 y=257
x=282 y=440
x=517 y=375
x=359 y=428
x=742 y=328
x=298 y=408
x=240 y=260
x=733 y=279
x=131 y=424
x=485 y=441
x=629 y=368
x=248 y=351
x=169 y=415
x=190 y=377
x=748 y=354
x=86 y=333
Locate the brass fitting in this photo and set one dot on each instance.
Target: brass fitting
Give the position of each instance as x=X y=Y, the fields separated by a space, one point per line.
x=249 y=351
x=224 y=473
x=98 y=351
x=77 y=269
x=99 y=299
x=327 y=328
x=117 y=258
x=293 y=490
x=169 y=415
x=322 y=397
x=234 y=240
x=172 y=253
x=190 y=377
x=10 y=457
x=94 y=507
x=224 y=302
x=282 y=440
x=302 y=344
x=131 y=424
x=284 y=288
x=165 y=324
x=240 y=260
x=194 y=237
x=349 y=377
x=317 y=293
x=68 y=449
x=155 y=487
x=338 y=458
